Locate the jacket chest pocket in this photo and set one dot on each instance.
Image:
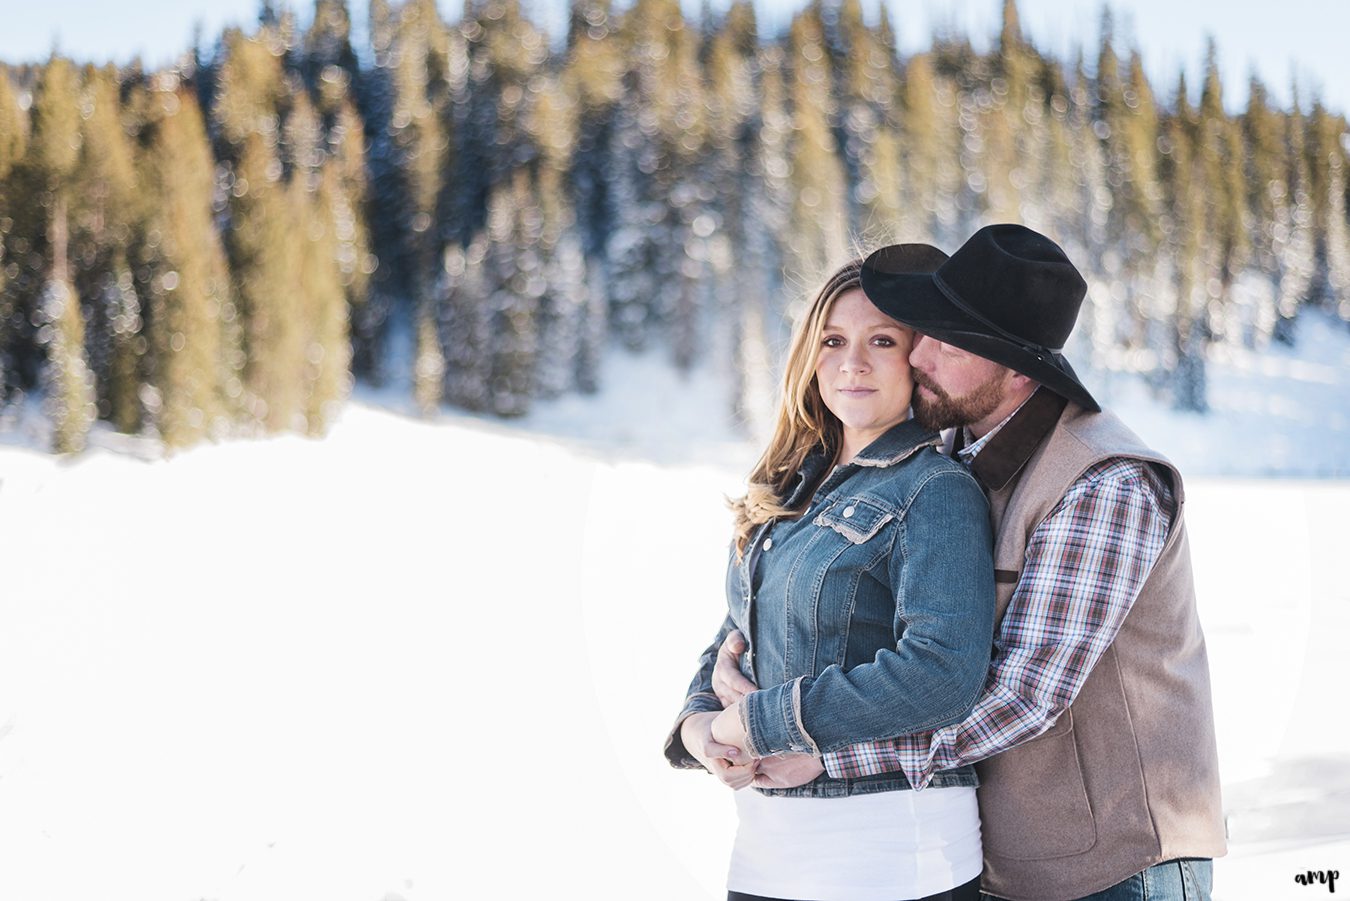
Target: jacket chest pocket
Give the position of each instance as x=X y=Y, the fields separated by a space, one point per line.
x=855 y=518
x=853 y=615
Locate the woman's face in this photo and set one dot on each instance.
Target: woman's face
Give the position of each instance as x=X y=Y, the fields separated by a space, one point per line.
x=863 y=369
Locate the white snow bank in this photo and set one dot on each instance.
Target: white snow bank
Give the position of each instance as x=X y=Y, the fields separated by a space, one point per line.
x=424 y=660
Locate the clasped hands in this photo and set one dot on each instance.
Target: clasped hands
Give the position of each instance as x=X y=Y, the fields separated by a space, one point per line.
x=718 y=740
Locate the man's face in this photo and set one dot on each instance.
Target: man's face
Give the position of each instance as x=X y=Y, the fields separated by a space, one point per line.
x=953 y=387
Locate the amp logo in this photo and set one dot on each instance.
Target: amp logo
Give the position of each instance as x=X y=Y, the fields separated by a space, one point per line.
x=1323 y=877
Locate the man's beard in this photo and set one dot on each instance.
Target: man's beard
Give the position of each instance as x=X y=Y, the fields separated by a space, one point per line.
x=939 y=410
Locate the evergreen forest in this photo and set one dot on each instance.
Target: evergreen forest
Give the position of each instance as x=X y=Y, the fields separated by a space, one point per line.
x=483 y=211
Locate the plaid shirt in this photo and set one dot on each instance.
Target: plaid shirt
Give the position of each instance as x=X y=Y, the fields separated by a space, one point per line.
x=1085 y=564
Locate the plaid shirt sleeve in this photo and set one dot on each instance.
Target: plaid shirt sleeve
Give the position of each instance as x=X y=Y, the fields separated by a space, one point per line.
x=1085 y=564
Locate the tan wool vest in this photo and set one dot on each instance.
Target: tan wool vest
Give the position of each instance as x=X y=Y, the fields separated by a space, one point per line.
x=1128 y=776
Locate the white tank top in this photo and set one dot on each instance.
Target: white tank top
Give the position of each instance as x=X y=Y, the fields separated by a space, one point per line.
x=886 y=846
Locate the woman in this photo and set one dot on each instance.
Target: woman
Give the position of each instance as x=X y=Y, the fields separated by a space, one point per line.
x=862 y=576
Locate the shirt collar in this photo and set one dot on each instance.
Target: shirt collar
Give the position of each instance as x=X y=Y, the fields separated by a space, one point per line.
x=970 y=449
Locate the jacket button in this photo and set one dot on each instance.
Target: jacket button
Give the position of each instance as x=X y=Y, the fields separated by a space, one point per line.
x=848 y=511
x=768 y=543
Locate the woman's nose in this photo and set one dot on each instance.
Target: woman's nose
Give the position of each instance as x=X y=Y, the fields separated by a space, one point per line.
x=855 y=361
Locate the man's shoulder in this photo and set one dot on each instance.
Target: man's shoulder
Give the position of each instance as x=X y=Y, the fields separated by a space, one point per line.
x=1088 y=455
x=1086 y=439
x=1096 y=427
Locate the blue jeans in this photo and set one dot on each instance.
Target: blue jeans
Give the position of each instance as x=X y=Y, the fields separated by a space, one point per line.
x=1189 y=879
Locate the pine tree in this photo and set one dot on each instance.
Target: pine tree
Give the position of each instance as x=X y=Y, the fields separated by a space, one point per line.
x=13 y=144
x=53 y=155
x=1327 y=177
x=768 y=324
x=885 y=168
x=316 y=197
x=107 y=211
x=422 y=134
x=513 y=261
x=864 y=89
x=191 y=327
x=420 y=138
x=120 y=306
x=1127 y=124
x=66 y=379
x=1090 y=197
x=384 y=198
x=1086 y=226
x=1268 y=205
x=691 y=218
x=13 y=126
x=1004 y=108
x=329 y=64
x=593 y=77
x=1182 y=172
x=428 y=362
x=929 y=152
x=817 y=224
x=349 y=199
x=262 y=238
x=562 y=304
x=1050 y=204
x=746 y=132
x=657 y=141
x=1297 y=252
x=1221 y=165
x=466 y=325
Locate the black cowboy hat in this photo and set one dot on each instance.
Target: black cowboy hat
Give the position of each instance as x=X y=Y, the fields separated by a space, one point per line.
x=915 y=259
x=1008 y=294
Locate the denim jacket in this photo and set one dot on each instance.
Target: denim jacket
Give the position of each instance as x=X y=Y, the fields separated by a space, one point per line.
x=869 y=616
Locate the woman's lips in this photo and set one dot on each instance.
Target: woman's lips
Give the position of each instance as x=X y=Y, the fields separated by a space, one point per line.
x=857 y=392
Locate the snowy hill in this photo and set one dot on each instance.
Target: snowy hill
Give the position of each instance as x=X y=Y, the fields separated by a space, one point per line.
x=436 y=659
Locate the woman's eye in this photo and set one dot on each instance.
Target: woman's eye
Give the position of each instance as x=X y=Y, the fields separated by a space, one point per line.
x=833 y=341
x=883 y=341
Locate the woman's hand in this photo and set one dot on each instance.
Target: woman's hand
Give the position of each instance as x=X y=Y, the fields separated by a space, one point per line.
x=779 y=771
x=727 y=682
x=787 y=770
x=720 y=759
x=727 y=729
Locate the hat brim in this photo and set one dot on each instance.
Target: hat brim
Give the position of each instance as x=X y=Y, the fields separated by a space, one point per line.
x=914 y=299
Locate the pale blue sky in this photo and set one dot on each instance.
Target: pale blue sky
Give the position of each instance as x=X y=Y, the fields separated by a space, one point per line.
x=1276 y=39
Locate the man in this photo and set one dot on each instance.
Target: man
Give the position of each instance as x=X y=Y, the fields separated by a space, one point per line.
x=1097 y=701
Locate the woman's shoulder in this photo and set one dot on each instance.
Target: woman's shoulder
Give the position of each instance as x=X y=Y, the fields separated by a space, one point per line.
x=927 y=470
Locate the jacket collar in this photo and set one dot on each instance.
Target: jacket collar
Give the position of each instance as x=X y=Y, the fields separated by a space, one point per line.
x=1010 y=449
x=897 y=443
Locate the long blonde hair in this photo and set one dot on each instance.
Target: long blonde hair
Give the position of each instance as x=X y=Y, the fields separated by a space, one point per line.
x=803 y=422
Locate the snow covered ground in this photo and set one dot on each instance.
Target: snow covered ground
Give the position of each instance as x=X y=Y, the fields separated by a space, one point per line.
x=436 y=659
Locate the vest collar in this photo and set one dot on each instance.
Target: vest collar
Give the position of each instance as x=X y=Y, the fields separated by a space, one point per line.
x=1009 y=450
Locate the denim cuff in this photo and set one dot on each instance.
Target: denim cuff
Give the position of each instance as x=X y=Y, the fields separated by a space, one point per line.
x=773 y=721
x=675 y=751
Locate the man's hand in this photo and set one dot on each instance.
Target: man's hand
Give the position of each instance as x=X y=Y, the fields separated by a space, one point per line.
x=727 y=682
x=723 y=761
x=787 y=771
